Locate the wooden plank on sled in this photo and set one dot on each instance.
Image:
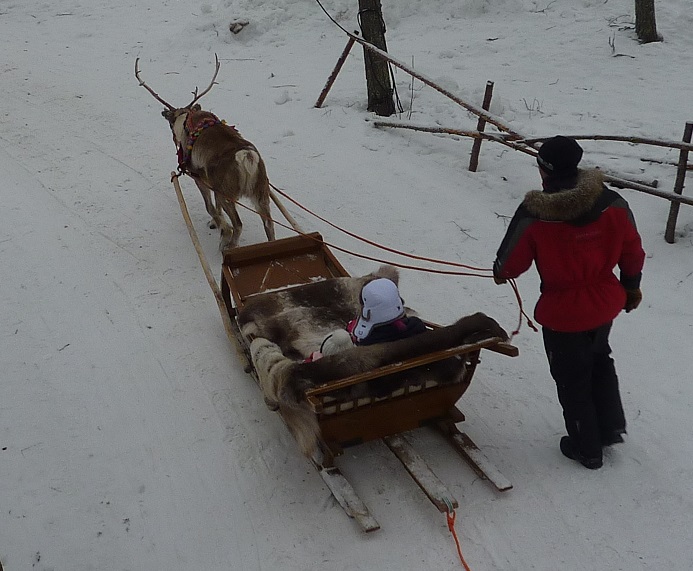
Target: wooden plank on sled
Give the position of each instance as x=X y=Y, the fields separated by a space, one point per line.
x=276 y=249
x=402 y=366
x=502 y=347
x=431 y=485
x=345 y=495
x=271 y=266
x=474 y=456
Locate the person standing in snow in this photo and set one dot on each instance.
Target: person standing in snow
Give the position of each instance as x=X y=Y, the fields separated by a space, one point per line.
x=577 y=231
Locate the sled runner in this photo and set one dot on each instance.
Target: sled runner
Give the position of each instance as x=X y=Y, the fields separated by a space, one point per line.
x=270 y=289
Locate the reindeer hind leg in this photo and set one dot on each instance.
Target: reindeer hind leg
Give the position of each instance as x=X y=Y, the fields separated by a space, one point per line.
x=262 y=204
x=254 y=184
x=230 y=238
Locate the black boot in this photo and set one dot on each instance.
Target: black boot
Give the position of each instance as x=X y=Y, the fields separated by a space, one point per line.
x=569 y=451
x=613 y=437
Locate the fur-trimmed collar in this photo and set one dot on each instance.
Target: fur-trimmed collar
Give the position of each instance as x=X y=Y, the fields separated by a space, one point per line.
x=568 y=204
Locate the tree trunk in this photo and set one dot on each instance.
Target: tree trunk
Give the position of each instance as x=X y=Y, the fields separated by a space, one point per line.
x=377 y=70
x=645 y=21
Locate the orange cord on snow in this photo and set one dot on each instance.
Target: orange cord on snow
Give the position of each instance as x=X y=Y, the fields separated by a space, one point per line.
x=451 y=515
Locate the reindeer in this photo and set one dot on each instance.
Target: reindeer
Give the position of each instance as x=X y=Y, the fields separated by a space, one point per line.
x=219 y=160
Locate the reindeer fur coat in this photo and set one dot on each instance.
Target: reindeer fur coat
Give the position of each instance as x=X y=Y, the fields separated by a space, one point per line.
x=287 y=326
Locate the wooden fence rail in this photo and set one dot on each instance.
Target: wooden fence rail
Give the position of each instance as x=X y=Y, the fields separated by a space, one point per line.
x=512 y=138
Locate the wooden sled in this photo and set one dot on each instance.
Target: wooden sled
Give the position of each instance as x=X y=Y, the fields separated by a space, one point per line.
x=271 y=266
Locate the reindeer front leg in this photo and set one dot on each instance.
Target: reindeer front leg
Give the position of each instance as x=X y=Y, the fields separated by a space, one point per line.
x=230 y=236
x=213 y=208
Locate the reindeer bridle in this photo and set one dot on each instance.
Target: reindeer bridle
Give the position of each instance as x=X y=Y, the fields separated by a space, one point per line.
x=194 y=130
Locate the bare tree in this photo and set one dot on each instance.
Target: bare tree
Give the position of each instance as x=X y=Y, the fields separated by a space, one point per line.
x=377 y=69
x=645 y=21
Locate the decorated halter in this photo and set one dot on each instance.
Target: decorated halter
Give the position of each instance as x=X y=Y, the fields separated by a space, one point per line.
x=195 y=129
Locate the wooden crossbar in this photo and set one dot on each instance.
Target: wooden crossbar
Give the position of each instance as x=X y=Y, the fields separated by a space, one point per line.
x=405 y=365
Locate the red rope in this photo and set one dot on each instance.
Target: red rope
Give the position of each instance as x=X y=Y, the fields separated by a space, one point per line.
x=516 y=289
x=513 y=284
x=376 y=244
x=451 y=515
x=373 y=259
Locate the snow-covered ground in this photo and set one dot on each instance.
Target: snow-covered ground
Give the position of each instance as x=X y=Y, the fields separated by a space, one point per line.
x=130 y=436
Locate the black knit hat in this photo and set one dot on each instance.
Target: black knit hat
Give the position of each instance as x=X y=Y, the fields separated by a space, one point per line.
x=559 y=156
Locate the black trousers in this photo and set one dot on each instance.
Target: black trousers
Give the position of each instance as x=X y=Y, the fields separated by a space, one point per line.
x=587 y=384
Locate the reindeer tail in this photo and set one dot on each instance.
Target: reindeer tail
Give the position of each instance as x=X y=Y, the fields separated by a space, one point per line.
x=248 y=161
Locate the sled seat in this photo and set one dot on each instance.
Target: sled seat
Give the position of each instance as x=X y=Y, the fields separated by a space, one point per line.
x=371 y=404
x=430 y=397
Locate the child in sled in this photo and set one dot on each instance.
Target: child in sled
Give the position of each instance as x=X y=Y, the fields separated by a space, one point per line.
x=383 y=318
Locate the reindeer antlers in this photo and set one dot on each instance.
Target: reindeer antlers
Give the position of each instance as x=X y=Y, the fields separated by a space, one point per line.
x=195 y=94
x=211 y=84
x=143 y=84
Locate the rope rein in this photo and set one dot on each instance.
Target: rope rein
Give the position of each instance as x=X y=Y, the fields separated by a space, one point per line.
x=365 y=256
x=376 y=244
x=512 y=283
x=530 y=323
x=183 y=159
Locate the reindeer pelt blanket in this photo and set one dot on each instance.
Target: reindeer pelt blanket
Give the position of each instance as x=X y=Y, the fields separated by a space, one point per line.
x=286 y=326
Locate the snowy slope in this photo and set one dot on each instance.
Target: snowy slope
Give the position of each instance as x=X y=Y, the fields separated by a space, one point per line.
x=131 y=438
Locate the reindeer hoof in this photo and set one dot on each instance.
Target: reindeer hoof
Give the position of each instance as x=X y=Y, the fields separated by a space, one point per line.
x=229 y=239
x=271 y=404
x=237 y=25
x=227 y=244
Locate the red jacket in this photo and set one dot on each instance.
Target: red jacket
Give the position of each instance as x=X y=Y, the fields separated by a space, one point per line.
x=576 y=237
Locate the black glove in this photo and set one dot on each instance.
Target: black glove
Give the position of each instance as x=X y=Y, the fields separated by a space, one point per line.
x=500 y=281
x=633 y=299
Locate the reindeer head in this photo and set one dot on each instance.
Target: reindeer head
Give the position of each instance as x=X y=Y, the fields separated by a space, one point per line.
x=176 y=116
x=177 y=119
x=171 y=115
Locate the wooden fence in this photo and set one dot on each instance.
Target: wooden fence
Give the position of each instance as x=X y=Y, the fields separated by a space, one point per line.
x=513 y=139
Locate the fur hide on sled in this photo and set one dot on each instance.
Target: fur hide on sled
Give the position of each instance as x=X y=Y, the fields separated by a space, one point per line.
x=286 y=326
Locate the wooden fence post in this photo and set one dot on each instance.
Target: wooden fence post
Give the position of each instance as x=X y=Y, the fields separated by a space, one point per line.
x=335 y=72
x=481 y=124
x=669 y=233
